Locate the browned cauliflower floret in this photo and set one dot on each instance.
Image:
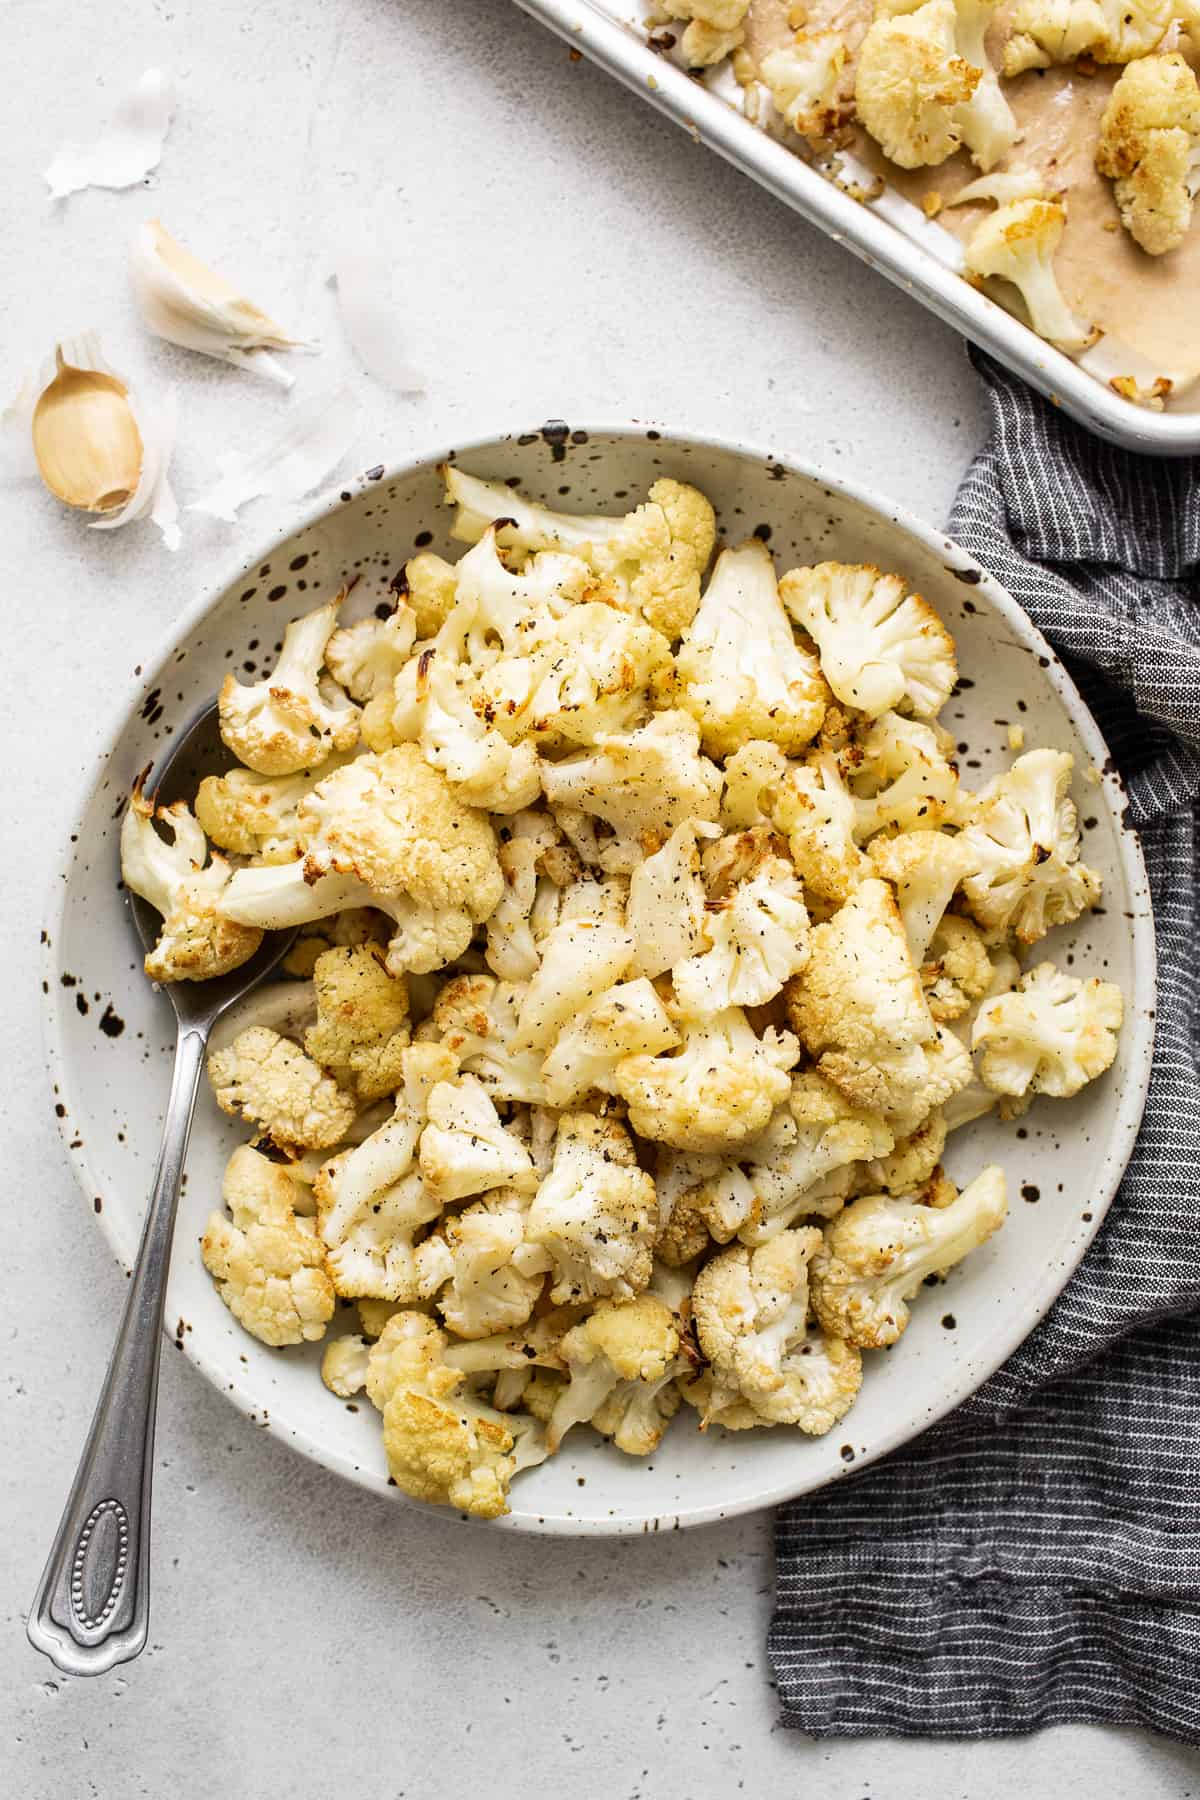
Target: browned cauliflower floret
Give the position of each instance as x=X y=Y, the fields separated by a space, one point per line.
x=596 y=1212
x=267 y=1263
x=713 y=1093
x=878 y=1252
x=860 y=990
x=1042 y=32
x=270 y=1081
x=1024 y=834
x=957 y=969
x=1051 y=1035
x=881 y=646
x=442 y=1446
x=743 y=674
x=295 y=717
x=1017 y=243
x=1150 y=146
x=652 y=559
x=196 y=942
x=620 y=1360
x=255 y=815
x=362 y=1020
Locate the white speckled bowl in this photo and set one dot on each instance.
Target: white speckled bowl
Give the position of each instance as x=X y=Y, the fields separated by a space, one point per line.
x=109 y=1033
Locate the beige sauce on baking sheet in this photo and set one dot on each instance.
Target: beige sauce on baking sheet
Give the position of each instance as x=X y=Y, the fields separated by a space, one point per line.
x=1147 y=304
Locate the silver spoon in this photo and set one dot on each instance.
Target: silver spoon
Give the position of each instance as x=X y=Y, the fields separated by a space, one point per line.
x=92 y=1606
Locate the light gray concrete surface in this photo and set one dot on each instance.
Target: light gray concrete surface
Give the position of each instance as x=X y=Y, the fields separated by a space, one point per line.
x=564 y=254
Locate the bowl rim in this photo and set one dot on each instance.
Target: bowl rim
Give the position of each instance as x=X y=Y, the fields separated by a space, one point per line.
x=1130 y=1106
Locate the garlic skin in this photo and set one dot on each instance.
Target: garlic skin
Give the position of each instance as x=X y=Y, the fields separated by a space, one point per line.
x=128 y=147
x=98 y=446
x=314 y=437
x=372 y=316
x=184 y=301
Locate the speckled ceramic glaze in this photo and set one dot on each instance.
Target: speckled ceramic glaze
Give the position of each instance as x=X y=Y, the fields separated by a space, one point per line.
x=110 y=1034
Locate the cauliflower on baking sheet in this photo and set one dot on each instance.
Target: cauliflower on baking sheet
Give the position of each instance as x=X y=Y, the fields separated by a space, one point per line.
x=1017 y=244
x=742 y=673
x=1150 y=146
x=575 y=839
x=804 y=81
x=1042 y=32
x=924 y=83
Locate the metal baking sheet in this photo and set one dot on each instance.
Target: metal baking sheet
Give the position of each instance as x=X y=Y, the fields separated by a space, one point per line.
x=607 y=32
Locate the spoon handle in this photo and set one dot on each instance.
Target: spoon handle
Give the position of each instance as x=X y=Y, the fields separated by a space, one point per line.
x=92 y=1606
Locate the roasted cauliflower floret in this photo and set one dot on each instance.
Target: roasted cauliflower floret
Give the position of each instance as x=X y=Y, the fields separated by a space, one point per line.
x=512 y=950
x=1017 y=244
x=752 y=776
x=475 y=1018
x=878 y=1252
x=743 y=674
x=1025 y=836
x=821 y=1379
x=756 y=937
x=860 y=990
x=371 y=1205
x=626 y=1020
x=904 y=1084
x=362 y=1020
x=267 y=1263
x=881 y=647
x=497 y=1274
x=924 y=83
x=257 y=815
x=653 y=557
x=394 y=825
x=429 y=584
x=464 y=1147
x=437 y=703
x=1043 y=32
x=196 y=942
x=295 y=717
x=344 y=1366
x=805 y=82
x=594 y=671
x=925 y=868
x=1150 y=146
x=596 y=1212
x=749 y=1306
x=442 y=1446
x=269 y=1080
x=713 y=1093
x=665 y=912
x=642 y=785
x=365 y=658
x=581 y=959
x=620 y=1358
x=1051 y=1035
x=818 y=814
x=957 y=969
x=905 y=780
x=788 y=1170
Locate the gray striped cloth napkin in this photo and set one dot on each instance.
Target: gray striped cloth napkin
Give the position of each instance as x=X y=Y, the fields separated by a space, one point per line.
x=1035 y=1558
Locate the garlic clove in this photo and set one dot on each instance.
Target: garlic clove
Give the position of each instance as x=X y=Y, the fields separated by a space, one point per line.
x=99 y=446
x=187 y=303
x=85 y=439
